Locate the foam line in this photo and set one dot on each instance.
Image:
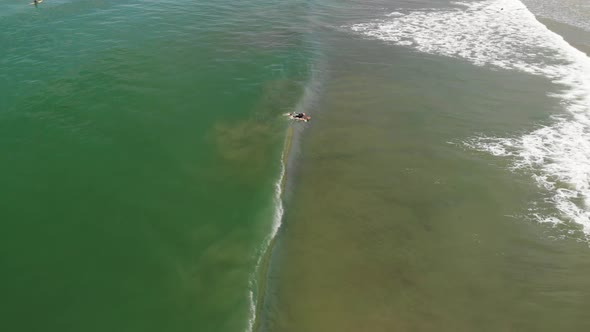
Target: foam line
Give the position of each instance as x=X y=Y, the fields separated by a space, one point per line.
x=255 y=280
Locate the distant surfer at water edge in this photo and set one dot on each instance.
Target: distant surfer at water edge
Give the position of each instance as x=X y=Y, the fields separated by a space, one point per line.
x=36 y=2
x=299 y=116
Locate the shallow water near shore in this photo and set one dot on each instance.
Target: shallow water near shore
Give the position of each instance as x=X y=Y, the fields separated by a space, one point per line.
x=400 y=222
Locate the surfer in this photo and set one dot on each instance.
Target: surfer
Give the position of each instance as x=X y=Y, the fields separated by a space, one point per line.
x=300 y=116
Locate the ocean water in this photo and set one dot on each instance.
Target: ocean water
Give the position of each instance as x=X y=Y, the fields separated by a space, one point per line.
x=443 y=185
x=505 y=34
x=150 y=181
x=141 y=146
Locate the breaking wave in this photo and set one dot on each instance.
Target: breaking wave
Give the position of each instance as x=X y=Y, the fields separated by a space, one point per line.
x=505 y=34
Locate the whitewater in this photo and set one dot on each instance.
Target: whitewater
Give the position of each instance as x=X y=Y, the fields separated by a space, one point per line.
x=505 y=35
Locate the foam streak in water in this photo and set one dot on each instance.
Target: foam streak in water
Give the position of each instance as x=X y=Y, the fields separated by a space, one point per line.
x=505 y=34
x=276 y=224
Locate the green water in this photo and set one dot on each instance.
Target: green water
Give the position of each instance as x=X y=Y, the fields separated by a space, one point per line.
x=142 y=144
x=140 y=147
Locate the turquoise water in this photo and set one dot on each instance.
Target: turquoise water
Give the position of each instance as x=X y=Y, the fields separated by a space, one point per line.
x=141 y=144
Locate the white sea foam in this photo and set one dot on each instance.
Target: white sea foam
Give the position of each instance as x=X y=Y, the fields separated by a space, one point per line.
x=276 y=224
x=395 y=14
x=505 y=34
x=252 y=309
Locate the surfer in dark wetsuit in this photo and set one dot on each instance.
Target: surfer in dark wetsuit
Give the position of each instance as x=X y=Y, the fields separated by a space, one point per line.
x=299 y=116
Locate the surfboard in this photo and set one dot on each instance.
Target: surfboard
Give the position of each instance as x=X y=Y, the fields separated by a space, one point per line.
x=38 y=2
x=290 y=115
